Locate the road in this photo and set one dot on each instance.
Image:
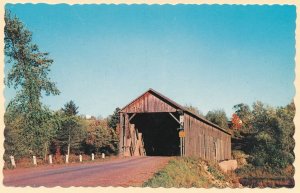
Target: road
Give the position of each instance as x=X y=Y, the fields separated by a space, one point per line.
x=122 y=172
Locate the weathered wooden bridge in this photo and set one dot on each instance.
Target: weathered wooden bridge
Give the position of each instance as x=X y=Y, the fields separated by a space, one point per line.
x=153 y=124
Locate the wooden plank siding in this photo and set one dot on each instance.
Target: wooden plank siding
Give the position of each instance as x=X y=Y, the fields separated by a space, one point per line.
x=148 y=103
x=205 y=141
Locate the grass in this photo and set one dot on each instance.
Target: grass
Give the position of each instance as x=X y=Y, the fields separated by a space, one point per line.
x=190 y=172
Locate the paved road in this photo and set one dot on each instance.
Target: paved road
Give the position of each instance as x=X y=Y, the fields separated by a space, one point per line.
x=122 y=172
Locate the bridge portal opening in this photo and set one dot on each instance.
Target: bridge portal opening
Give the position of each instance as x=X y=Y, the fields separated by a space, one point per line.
x=160 y=133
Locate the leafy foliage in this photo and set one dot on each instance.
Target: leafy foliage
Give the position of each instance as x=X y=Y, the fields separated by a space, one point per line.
x=269 y=134
x=101 y=138
x=70 y=109
x=236 y=122
x=245 y=115
x=72 y=133
x=33 y=123
x=218 y=117
x=114 y=119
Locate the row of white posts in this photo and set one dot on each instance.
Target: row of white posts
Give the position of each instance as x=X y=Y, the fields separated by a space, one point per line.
x=13 y=163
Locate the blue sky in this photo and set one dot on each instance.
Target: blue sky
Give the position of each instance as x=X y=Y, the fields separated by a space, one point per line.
x=209 y=56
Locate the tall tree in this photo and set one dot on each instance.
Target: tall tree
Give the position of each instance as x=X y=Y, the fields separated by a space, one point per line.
x=70 y=109
x=114 y=119
x=28 y=74
x=72 y=132
x=273 y=131
x=268 y=134
x=101 y=138
x=243 y=111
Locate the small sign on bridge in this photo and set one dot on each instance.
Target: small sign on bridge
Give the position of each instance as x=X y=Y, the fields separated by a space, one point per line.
x=181 y=134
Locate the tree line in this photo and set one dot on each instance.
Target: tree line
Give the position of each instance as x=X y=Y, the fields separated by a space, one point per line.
x=31 y=128
x=262 y=132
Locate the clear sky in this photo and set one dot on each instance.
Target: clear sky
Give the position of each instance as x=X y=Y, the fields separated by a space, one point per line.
x=209 y=56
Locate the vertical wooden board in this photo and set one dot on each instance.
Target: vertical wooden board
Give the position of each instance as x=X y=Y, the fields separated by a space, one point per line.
x=151 y=103
x=197 y=146
x=145 y=103
x=203 y=147
x=219 y=150
x=204 y=156
x=229 y=147
x=225 y=151
x=126 y=125
x=193 y=139
x=187 y=131
x=208 y=146
x=211 y=148
x=222 y=157
x=186 y=119
x=121 y=137
x=200 y=145
x=228 y=157
x=223 y=146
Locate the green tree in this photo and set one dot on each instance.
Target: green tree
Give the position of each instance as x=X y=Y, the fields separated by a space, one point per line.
x=218 y=117
x=13 y=133
x=70 y=109
x=101 y=138
x=72 y=133
x=114 y=119
x=243 y=111
x=271 y=142
x=28 y=74
x=287 y=127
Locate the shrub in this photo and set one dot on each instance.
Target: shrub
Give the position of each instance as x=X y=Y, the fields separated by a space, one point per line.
x=240 y=157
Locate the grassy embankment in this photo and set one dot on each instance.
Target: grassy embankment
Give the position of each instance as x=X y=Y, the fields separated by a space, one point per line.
x=192 y=172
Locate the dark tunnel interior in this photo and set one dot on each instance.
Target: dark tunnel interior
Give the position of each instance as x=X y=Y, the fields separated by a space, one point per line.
x=160 y=134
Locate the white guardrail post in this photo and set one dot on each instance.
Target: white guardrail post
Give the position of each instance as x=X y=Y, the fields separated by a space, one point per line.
x=50 y=159
x=34 y=160
x=12 y=160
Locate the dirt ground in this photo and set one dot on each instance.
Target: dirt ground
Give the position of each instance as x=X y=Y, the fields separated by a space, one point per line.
x=120 y=172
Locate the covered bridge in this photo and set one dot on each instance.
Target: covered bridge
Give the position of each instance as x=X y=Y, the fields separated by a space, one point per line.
x=153 y=124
